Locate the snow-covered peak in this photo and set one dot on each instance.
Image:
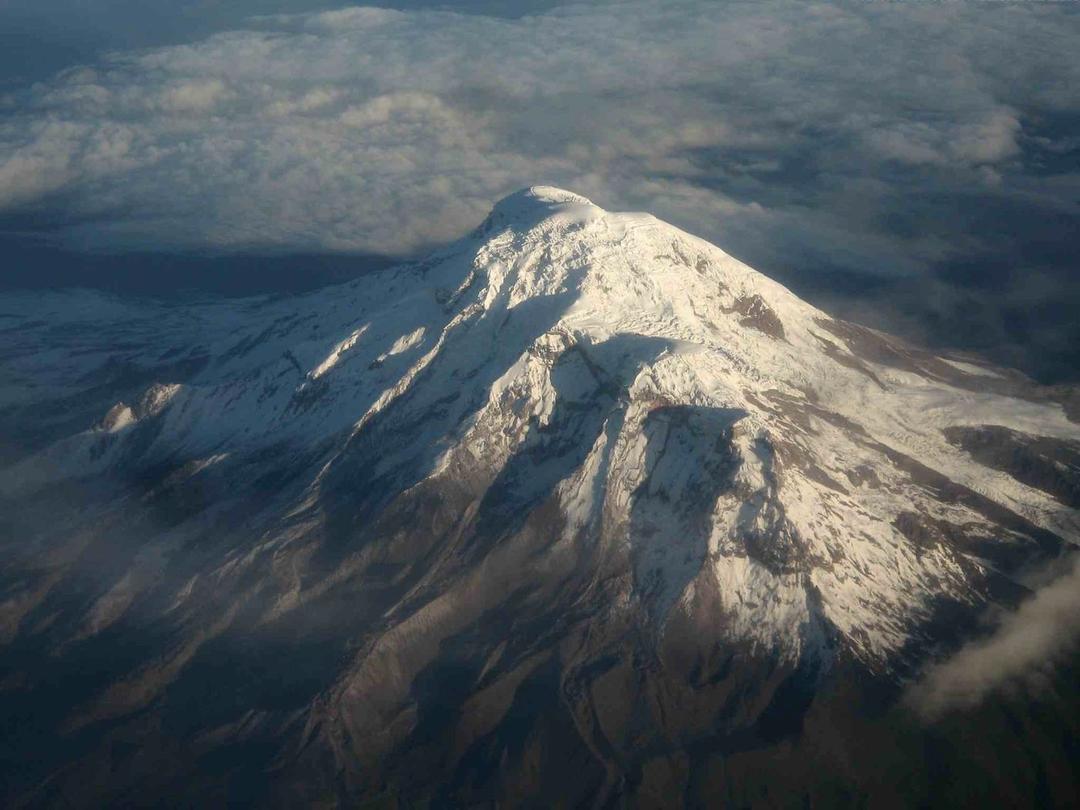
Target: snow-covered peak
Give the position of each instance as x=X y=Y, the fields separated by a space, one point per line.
x=541 y=199
x=739 y=458
x=531 y=206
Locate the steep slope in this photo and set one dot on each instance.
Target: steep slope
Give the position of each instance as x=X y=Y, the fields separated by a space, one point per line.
x=580 y=495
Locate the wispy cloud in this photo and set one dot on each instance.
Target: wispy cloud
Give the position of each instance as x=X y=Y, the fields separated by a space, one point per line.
x=1043 y=630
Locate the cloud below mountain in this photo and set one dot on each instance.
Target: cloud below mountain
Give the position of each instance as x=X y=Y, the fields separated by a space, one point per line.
x=1044 y=629
x=841 y=148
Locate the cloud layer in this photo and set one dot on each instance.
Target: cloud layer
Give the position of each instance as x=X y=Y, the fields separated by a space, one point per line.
x=867 y=142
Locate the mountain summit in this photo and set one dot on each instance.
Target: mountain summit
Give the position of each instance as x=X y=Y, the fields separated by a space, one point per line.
x=580 y=509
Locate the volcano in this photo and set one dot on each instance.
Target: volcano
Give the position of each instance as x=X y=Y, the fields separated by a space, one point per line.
x=578 y=511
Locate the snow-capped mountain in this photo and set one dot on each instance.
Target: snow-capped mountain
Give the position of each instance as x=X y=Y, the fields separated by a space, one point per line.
x=580 y=494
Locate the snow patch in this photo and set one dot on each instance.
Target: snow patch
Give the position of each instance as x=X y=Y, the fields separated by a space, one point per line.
x=971 y=368
x=336 y=353
x=403 y=344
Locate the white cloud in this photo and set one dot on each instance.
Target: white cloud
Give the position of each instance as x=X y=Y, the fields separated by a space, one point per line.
x=1044 y=629
x=989 y=140
x=386 y=131
x=198 y=97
